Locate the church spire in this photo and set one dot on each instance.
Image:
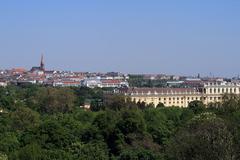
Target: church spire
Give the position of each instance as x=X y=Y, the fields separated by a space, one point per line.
x=42 y=66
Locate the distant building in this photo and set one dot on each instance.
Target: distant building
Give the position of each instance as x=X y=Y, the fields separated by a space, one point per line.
x=66 y=84
x=210 y=92
x=113 y=83
x=91 y=83
x=18 y=71
x=40 y=69
x=3 y=83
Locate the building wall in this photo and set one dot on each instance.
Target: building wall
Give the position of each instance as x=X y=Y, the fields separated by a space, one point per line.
x=211 y=93
x=168 y=100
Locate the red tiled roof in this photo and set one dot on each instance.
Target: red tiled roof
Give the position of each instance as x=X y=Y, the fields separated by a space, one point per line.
x=113 y=81
x=70 y=82
x=20 y=70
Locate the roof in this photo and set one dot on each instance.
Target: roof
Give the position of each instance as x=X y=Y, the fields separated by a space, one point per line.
x=112 y=81
x=161 y=90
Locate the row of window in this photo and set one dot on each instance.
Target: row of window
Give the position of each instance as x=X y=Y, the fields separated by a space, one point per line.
x=178 y=98
x=173 y=99
x=223 y=90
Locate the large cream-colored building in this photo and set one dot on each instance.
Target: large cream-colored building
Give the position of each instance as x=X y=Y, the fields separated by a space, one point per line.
x=208 y=93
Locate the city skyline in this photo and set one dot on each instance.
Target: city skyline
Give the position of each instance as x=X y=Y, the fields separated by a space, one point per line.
x=41 y=66
x=181 y=38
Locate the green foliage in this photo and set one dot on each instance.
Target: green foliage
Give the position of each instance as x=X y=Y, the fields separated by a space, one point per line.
x=140 y=154
x=158 y=125
x=31 y=151
x=57 y=100
x=46 y=123
x=24 y=118
x=131 y=121
x=90 y=151
x=3 y=156
x=160 y=105
x=196 y=106
x=9 y=142
x=140 y=81
x=204 y=137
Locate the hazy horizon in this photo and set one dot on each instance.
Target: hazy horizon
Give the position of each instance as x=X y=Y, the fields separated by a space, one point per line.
x=170 y=37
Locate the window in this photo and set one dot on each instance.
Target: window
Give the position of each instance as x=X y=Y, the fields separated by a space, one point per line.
x=164 y=99
x=159 y=99
x=210 y=90
x=223 y=90
x=210 y=98
x=214 y=90
x=177 y=98
x=169 y=99
x=234 y=90
x=218 y=90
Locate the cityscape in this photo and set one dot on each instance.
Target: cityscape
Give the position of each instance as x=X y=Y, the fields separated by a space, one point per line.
x=173 y=91
x=119 y=80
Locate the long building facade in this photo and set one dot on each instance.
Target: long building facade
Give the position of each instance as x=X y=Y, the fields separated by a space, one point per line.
x=210 y=92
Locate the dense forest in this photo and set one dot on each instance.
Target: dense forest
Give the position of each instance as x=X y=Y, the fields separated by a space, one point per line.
x=46 y=123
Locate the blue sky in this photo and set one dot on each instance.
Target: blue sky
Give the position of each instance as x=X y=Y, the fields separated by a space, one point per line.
x=131 y=36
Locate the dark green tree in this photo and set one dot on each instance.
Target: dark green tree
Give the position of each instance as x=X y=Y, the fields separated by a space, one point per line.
x=204 y=137
x=196 y=106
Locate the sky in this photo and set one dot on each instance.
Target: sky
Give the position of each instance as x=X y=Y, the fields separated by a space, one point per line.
x=182 y=37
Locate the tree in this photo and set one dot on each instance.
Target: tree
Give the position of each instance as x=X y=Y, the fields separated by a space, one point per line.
x=231 y=103
x=30 y=152
x=131 y=121
x=151 y=105
x=24 y=118
x=115 y=102
x=90 y=151
x=3 y=156
x=106 y=122
x=158 y=125
x=196 y=106
x=160 y=105
x=9 y=142
x=141 y=105
x=55 y=100
x=51 y=134
x=139 y=154
x=204 y=137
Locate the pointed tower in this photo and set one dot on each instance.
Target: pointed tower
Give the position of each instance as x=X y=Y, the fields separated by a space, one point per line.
x=42 y=66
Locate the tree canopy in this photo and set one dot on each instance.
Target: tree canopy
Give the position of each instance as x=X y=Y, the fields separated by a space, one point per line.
x=46 y=123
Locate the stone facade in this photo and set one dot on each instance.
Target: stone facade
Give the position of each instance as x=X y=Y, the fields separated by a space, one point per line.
x=209 y=93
